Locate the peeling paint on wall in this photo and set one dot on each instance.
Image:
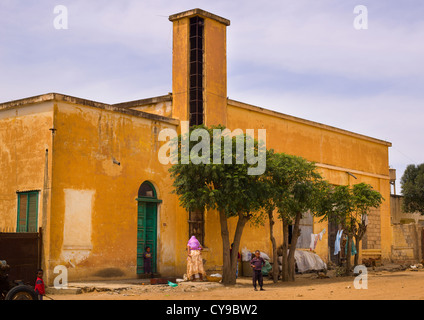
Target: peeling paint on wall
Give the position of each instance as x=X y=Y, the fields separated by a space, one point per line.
x=77 y=230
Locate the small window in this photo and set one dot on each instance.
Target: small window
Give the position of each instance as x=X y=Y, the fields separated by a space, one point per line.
x=146 y=190
x=27 y=211
x=196 y=225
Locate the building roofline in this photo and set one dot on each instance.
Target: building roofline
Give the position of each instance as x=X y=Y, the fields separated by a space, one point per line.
x=125 y=108
x=144 y=102
x=85 y=102
x=306 y=122
x=199 y=12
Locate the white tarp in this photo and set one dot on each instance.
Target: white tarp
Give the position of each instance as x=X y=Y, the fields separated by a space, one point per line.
x=265 y=256
x=246 y=255
x=307 y=261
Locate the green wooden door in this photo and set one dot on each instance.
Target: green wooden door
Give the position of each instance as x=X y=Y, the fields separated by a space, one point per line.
x=146 y=233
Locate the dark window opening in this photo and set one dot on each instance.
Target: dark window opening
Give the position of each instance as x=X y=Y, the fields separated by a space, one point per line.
x=196 y=71
x=290 y=233
x=196 y=225
x=146 y=191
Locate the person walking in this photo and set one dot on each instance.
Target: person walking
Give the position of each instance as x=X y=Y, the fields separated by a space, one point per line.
x=257 y=263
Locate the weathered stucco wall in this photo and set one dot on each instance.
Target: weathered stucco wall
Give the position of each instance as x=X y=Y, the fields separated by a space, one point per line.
x=407 y=239
x=398 y=216
x=336 y=152
x=180 y=68
x=215 y=72
x=94 y=211
x=407 y=233
x=316 y=142
x=24 y=138
x=161 y=108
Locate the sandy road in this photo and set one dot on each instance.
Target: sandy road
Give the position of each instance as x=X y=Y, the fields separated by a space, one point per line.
x=402 y=285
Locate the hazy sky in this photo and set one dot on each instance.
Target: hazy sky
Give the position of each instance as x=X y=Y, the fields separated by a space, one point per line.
x=299 y=57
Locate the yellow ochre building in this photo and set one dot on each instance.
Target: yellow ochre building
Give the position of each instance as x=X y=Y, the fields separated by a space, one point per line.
x=87 y=173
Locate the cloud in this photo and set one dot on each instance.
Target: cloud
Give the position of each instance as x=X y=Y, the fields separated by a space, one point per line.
x=321 y=39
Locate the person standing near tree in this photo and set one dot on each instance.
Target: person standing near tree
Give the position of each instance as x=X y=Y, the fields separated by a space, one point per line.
x=194 y=260
x=257 y=263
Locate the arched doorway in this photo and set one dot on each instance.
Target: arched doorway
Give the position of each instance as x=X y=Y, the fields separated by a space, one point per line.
x=147 y=222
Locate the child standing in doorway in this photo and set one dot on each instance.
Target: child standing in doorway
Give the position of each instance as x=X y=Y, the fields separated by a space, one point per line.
x=147 y=256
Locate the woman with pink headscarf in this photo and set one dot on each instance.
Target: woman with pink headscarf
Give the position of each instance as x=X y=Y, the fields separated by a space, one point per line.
x=194 y=259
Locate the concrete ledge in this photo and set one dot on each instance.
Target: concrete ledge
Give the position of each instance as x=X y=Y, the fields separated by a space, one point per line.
x=88 y=103
x=199 y=12
x=131 y=287
x=52 y=290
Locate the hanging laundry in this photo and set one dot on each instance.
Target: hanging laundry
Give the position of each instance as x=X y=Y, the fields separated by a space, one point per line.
x=337 y=243
x=365 y=219
x=353 y=249
x=315 y=238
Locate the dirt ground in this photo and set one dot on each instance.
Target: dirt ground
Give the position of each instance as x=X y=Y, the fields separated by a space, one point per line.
x=382 y=285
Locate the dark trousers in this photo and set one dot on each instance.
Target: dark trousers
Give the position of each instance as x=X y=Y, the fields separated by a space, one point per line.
x=147 y=266
x=257 y=276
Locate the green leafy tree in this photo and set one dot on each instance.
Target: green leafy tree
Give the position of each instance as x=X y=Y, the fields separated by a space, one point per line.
x=227 y=189
x=273 y=191
x=365 y=198
x=412 y=184
x=350 y=209
x=294 y=188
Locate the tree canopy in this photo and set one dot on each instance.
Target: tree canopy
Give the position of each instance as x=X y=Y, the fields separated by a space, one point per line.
x=412 y=184
x=294 y=187
x=351 y=205
x=217 y=176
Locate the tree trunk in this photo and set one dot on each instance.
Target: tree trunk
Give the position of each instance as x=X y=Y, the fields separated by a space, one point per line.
x=275 y=269
x=348 y=255
x=236 y=245
x=284 y=272
x=291 y=260
x=226 y=268
x=356 y=260
x=230 y=261
x=358 y=237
